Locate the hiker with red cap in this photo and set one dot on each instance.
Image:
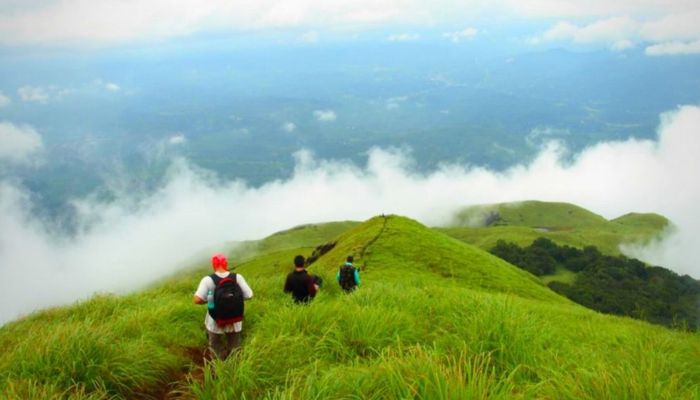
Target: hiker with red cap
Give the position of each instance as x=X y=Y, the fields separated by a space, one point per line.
x=224 y=293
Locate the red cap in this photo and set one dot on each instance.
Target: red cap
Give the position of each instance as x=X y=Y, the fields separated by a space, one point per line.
x=219 y=261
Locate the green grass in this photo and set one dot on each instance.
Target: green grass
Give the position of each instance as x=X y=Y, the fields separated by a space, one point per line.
x=565 y=224
x=641 y=226
x=533 y=214
x=308 y=235
x=435 y=318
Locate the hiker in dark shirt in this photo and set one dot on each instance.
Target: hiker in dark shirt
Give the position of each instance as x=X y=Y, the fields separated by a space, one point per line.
x=300 y=284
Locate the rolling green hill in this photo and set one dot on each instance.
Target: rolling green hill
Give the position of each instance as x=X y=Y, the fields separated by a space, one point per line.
x=434 y=318
x=307 y=235
x=535 y=214
x=564 y=223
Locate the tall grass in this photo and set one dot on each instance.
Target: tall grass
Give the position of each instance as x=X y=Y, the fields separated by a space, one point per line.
x=483 y=346
x=103 y=348
x=433 y=319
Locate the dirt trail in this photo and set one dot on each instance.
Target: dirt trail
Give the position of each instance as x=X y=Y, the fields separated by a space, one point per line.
x=371 y=242
x=191 y=371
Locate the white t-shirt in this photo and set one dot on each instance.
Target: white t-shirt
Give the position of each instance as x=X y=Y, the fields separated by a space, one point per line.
x=207 y=284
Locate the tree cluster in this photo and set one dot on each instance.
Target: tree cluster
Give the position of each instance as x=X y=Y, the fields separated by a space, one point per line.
x=612 y=284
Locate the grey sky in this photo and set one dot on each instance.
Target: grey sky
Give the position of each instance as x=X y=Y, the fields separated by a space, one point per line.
x=613 y=24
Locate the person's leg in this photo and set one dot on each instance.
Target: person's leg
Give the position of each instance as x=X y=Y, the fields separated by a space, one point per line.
x=217 y=345
x=234 y=342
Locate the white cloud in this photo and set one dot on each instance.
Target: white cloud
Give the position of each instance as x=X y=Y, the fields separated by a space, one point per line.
x=112 y=87
x=403 y=37
x=43 y=94
x=671 y=34
x=393 y=103
x=598 y=8
x=465 y=34
x=610 y=29
x=607 y=30
x=673 y=48
x=4 y=100
x=136 y=240
x=562 y=30
x=289 y=127
x=325 y=115
x=541 y=135
x=680 y=26
x=102 y=20
x=18 y=143
x=33 y=94
x=109 y=86
x=622 y=45
x=177 y=139
x=112 y=21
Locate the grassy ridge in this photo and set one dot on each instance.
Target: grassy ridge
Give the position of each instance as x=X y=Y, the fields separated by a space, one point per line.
x=550 y=215
x=644 y=225
x=434 y=319
x=564 y=223
x=300 y=236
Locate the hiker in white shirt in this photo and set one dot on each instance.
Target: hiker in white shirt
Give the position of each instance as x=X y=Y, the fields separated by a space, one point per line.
x=225 y=322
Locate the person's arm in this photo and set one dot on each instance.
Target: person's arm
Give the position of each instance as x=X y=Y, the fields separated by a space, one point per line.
x=357 y=277
x=312 y=287
x=288 y=284
x=247 y=291
x=200 y=296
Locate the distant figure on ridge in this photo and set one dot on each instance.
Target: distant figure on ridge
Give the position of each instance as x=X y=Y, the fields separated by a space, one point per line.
x=300 y=284
x=348 y=276
x=224 y=293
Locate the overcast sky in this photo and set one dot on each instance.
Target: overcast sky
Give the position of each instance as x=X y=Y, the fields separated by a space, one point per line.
x=661 y=27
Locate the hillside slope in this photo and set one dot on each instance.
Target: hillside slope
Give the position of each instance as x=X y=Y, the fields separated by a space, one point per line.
x=307 y=235
x=397 y=248
x=535 y=214
x=434 y=318
x=564 y=223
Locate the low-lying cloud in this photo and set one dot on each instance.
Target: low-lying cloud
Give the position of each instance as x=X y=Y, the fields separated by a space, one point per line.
x=459 y=36
x=325 y=115
x=177 y=139
x=129 y=242
x=43 y=94
x=673 y=48
x=33 y=94
x=395 y=102
x=112 y=87
x=4 y=100
x=18 y=143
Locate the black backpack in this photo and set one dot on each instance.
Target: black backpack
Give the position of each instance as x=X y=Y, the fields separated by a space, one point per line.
x=228 y=300
x=347 y=277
